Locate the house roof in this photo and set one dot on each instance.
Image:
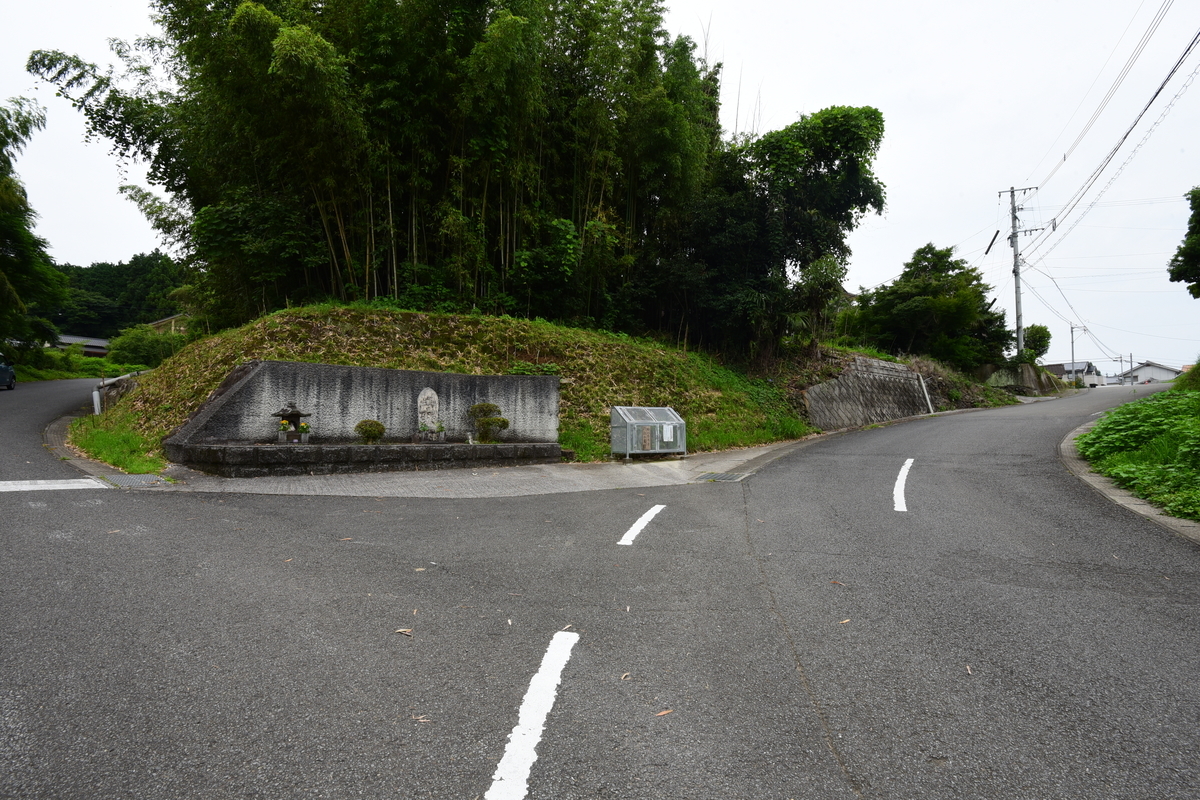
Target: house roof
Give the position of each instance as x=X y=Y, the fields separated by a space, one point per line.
x=86 y=341
x=1145 y=364
x=1086 y=367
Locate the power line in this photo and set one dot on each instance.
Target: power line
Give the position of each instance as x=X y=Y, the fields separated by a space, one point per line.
x=1091 y=180
x=1151 y=335
x=1112 y=90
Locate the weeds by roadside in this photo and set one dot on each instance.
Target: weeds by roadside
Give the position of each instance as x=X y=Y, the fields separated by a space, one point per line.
x=1152 y=448
x=116 y=444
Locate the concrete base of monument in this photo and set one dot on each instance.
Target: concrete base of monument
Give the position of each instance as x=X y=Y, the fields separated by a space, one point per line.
x=245 y=460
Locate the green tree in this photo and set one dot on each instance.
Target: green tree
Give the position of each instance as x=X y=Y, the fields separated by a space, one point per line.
x=28 y=281
x=1037 y=340
x=141 y=344
x=937 y=307
x=551 y=158
x=1185 y=264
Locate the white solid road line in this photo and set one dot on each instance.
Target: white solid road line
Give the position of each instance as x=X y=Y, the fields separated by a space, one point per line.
x=642 y=522
x=898 y=491
x=511 y=781
x=38 y=486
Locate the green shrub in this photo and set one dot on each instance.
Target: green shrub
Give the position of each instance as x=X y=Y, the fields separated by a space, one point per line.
x=1152 y=448
x=142 y=344
x=488 y=421
x=370 y=430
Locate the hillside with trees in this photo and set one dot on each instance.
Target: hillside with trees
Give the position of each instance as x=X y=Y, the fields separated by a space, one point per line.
x=535 y=158
x=104 y=299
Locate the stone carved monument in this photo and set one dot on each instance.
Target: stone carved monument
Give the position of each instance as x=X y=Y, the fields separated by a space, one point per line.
x=429 y=423
x=427 y=410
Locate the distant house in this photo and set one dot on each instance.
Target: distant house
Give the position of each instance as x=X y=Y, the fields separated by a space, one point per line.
x=1078 y=370
x=1149 y=372
x=176 y=323
x=97 y=348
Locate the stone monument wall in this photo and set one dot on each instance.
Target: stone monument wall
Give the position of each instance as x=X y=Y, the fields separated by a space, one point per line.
x=338 y=398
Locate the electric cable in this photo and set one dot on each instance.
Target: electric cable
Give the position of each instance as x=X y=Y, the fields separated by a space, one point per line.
x=1091 y=180
x=1112 y=90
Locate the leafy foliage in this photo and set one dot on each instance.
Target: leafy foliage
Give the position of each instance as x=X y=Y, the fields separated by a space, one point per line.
x=142 y=344
x=105 y=298
x=28 y=282
x=550 y=159
x=938 y=307
x=371 y=430
x=1185 y=264
x=487 y=420
x=1152 y=447
x=1037 y=341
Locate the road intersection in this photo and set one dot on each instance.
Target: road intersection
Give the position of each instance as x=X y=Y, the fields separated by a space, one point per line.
x=792 y=634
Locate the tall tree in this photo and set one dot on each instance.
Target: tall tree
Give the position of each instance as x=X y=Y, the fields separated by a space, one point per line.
x=28 y=281
x=937 y=307
x=1185 y=264
x=556 y=158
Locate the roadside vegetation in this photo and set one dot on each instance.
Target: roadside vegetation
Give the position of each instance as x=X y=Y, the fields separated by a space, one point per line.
x=724 y=408
x=1152 y=447
x=50 y=365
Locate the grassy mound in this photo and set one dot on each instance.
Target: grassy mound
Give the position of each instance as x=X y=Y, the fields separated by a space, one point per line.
x=723 y=408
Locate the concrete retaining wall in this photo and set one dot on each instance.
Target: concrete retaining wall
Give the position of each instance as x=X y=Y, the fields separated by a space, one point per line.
x=340 y=397
x=241 y=413
x=868 y=392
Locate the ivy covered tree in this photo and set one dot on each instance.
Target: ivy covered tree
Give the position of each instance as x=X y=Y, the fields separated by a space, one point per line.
x=28 y=281
x=536 y=157
x=1185 y=264
x=937 y=307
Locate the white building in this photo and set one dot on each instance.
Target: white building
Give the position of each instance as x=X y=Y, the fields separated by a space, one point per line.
x=1149 y=372
x=1072 y=371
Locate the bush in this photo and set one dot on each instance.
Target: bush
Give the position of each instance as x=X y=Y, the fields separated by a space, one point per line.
x=1190 y=379
x=1152 y=448
x=142 y=344
x=370 y=430
x=488 y=421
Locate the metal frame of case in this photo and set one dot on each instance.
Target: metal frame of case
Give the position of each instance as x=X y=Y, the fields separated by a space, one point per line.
x=642 y=430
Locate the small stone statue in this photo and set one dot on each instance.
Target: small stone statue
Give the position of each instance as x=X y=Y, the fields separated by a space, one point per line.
x=290 y=413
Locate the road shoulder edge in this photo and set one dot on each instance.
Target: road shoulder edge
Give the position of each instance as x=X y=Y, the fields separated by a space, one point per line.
x=1069 y=455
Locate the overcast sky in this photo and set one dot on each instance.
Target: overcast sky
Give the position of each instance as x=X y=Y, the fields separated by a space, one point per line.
x=976 y=98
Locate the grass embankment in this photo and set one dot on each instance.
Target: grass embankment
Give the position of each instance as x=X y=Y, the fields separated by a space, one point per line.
x=1152 y=447
x=723 y=408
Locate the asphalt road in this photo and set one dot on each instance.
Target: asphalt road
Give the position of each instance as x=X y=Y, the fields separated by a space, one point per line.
x=1009 y=635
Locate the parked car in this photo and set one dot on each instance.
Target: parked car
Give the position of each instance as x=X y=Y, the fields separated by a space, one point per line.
x=8 y=376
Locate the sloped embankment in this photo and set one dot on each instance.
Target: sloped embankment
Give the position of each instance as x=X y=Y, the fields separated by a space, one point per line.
x=723 y=408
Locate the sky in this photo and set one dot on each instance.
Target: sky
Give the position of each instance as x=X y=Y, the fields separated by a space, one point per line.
x=976 y=98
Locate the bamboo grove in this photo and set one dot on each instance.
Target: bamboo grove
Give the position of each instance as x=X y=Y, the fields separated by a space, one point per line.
x=552 y=158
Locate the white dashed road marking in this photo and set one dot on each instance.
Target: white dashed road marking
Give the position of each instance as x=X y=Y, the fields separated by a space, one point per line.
x=898 y=491
x=642 y=522
x=41 y=486
x=511 y=781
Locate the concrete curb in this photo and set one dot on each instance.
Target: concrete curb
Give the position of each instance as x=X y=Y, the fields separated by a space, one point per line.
x=1105 y=486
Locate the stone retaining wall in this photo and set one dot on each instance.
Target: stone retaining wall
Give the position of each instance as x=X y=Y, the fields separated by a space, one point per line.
x=259 y=460
x=868 y=392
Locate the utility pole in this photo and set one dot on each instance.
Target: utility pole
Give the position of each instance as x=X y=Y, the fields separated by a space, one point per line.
x=1016 y=247
x=1074 y=370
